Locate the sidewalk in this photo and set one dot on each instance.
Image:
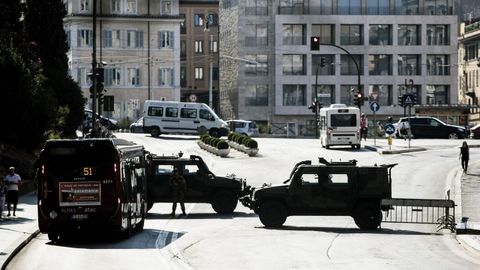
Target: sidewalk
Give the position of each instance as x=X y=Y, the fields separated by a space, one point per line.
x=15 y=232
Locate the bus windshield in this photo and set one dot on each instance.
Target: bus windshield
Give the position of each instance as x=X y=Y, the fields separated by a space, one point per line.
x=343 y=120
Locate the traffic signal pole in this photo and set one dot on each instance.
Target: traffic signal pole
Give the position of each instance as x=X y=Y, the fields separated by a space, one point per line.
x=316 y=104
x=94 y=70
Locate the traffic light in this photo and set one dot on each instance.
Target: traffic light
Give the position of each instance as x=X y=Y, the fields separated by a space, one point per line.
x=313 y=107
x=358 y=99
x=414 y=99
x=322 y=61
x=400 y=100
x=315 y=43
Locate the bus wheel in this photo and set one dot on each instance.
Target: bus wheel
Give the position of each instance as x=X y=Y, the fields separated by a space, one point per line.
x=224 y=202
x=155 y=132
x=53 y=236
x=327 y=146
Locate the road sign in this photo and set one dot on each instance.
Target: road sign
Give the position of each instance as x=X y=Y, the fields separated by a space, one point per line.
x=408 y=99
x=389 y=129
x=192 y=97
x=374 y=106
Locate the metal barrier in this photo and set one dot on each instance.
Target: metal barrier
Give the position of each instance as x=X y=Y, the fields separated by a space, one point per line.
x=420 y=211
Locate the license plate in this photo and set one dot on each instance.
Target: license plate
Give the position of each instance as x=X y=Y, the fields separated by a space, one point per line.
x=79 y=216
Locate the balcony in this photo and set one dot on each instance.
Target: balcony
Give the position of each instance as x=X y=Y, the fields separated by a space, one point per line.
x=440 y=10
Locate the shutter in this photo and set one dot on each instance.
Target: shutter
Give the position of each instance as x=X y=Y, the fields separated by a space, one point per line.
x=139 y=39
x=90 y=38
x=172 y=83
x=170 y=39
x=79 y=38
x=79 y=76
x=160 y=73
x=129 y=39
x=160 y=39
x=137 y=76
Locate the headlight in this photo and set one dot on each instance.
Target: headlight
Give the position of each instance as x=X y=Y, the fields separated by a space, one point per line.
x=53 y=215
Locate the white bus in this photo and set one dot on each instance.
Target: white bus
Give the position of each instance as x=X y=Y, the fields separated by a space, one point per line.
x=340 y=125
x=181 y=117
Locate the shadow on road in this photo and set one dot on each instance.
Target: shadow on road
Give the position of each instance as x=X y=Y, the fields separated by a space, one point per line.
x=350 y=230
x=202 y=216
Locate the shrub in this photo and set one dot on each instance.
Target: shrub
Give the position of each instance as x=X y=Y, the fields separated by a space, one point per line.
x=230 y=136
x=251 y=143
x=222 y=144
x=203 y=137
x=244 y=139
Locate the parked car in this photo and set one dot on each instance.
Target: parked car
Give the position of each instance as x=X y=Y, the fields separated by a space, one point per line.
x=243 y=127
x=431 y=127
x=137 y=126
x=110 y=124
x=475 y=132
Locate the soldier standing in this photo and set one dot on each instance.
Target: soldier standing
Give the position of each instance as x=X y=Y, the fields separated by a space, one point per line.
x=178 y=187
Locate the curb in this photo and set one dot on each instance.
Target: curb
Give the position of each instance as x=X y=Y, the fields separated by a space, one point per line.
x=468 y=243
x=397 y=151
x=15 y=248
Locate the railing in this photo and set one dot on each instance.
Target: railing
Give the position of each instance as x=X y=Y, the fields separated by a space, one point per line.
x=440 y=10
x=472 y=27
x=420 y=211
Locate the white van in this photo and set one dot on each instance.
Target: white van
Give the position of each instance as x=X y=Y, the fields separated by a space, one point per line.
x=340 y=125
x=181 y=117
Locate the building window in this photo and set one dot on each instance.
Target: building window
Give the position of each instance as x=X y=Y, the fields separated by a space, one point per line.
x=409 y=64
x=346 y=93
x=256 y=35
x=256 y=8
x=379 y=64
x=133 y=76
x=292 y=6
x=183 y=50
x=166 y=7
x=258 y=65
x=438 y=64
x=116 y=6
x=111 y=39
x=198 y=20
x=256 y=95
x=198 y=46
x=84 y=38
x=183 y=24
x=131 y=6
x=351 y=34
x=294 y=34
x=326 y=32
x=112 y=76
x=183 y=76
x=294 y=64
x=378 y=7
x=325 y=94
x=213 y=48
x=199 y=73
x=380 y=34
x=134 y=39
x=348 y=66
x=406 y=7
x=294 y=95
x=84 y=6
x=415 y=89
x=212 y=19
x=408 y=35
x=437 y=94
x=471 y=51
x=438 y=34
x=328 y=69
x=165 y=77
x=436 y=7
x=165 y=39
x=382 y=94
x=349 y=7
x=82 y=77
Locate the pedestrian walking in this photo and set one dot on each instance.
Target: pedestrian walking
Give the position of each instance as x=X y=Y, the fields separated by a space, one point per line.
x=3 y=193
x=363 y=126
x=464 y=155
x=12 y=180
x=178 y=187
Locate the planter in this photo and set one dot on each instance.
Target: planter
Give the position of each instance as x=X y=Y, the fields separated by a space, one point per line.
x=213 y=150
x=242 y=148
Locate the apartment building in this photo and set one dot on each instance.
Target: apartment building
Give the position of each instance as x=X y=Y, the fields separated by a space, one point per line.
x=199 y=52
x=400 y=46
x=469 y=66
x=138 y=45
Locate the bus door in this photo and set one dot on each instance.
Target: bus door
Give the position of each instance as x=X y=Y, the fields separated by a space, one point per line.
x=171 y=121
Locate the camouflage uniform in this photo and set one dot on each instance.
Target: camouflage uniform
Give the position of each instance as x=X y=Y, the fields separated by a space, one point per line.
x=178 y=187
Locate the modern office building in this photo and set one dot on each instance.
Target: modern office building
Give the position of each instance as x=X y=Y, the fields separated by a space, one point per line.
x=469 y=66
x=199 y=52
x=269 y=66
x=138 y=45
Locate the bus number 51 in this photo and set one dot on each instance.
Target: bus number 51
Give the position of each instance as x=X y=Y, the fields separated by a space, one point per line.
x=88 y=171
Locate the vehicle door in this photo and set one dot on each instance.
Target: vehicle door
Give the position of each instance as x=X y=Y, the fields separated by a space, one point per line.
x=171 y=120
x=337 y=188
x=420 y=127
x=189 y=120
x=196 y=182
x=158 y=181
x=206 y=119
x=437 y=129
x=304 y=191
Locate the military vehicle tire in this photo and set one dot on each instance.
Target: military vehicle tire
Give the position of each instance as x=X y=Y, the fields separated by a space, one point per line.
x=272 y=213
x=368 y=216
x=224 y=201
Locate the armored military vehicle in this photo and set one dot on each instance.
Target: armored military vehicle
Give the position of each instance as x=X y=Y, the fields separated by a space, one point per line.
x=203 y=186
x=327 y=189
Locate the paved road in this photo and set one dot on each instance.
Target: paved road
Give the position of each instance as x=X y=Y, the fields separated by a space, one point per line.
x=204 y=240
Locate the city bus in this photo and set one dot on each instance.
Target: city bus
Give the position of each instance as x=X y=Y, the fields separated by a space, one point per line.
x=340 y=125
x=91 y=184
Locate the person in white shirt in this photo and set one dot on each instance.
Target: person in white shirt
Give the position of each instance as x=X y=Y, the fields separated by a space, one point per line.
x=12 y=180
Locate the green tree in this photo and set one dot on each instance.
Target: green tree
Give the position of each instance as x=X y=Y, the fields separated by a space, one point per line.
x=44 y=25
